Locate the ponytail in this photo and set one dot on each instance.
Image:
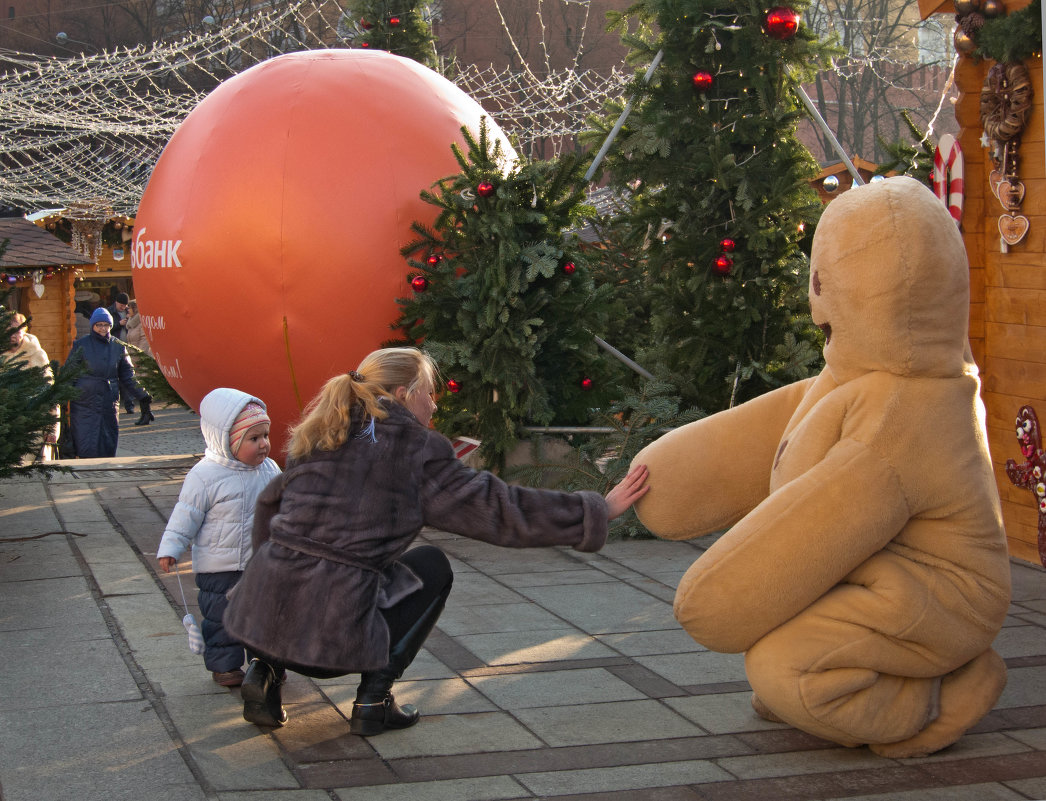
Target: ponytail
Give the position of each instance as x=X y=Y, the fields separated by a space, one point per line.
x=327 y=419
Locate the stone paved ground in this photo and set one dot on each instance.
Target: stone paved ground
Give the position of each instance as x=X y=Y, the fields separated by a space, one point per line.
x=552 y=674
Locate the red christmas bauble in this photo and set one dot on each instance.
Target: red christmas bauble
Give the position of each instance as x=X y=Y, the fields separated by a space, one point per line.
x=782 y=22
x=453 y=386
x=702 y=81
x=434 y=259
x=723 y=265
x=364 y=44
x=569 y=268
x=727 y=245
x=485 y=189
x=587 y=383
x=365 y=25
x=394 y=21
x=419 y=283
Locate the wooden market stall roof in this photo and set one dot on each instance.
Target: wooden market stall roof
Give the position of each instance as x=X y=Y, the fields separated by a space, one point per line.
x=928 y=7
x=866 y=169
x=31 y=246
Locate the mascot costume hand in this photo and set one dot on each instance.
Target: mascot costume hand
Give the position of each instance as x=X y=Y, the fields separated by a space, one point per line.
x=864 y=571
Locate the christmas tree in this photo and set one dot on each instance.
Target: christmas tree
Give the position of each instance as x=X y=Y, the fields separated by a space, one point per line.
x=28 y=403
x=915 y=160
x=717 y=185
x=505 y=302
x=402 y=28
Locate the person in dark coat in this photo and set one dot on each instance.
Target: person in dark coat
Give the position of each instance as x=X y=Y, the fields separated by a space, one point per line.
x=106 y=368
x=332 y=588
x=120 y=313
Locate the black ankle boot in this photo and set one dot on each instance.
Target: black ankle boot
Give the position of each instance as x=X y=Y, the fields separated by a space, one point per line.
x=375 y=710
x=262 y=696
x=374 y=713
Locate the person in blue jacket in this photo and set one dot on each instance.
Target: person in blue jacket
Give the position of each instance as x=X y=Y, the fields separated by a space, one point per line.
x=93 y=415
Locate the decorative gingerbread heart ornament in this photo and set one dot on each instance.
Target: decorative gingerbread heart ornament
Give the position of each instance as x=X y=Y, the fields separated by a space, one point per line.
x=1010 y=194
x=1013 y=229
x=994 y=179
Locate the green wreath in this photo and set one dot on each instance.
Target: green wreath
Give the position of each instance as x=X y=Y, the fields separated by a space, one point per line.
x=1015 y=37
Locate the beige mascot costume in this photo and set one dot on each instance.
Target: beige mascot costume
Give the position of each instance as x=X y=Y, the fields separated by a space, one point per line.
x=864 y=572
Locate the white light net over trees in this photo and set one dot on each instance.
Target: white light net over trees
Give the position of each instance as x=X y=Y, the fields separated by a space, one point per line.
x=89 y=128
x=93 y=126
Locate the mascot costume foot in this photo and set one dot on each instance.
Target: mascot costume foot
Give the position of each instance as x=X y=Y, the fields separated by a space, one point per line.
x=864 y=571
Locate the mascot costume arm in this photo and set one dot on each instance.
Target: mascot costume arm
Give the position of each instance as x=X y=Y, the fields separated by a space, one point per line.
x=693 y=497
x=778 y=560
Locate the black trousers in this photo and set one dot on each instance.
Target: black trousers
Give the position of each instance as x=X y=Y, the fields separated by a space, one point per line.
x=430 y=565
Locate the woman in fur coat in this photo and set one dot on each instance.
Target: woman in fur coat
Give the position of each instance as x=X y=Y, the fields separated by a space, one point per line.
x=331 y=588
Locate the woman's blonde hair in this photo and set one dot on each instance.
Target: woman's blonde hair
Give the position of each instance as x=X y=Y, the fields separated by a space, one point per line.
x=328 y=417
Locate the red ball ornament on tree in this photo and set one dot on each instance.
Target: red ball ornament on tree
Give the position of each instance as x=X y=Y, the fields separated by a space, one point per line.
x=727 y=245
x=419 y=283
x=394 y=21
x=702 y=80
x=782 y=22
x=364 y=45
x=434 y=259
x=587 y=383
x=723 y=265
x=485 y=189
x=365 y=25
x=569 y=268
x=453 y=386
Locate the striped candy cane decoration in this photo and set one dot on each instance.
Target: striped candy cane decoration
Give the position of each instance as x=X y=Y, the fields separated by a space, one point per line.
x=948 y=169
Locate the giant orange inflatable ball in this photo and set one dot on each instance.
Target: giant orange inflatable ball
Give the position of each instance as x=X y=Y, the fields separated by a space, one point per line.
x=266 y=246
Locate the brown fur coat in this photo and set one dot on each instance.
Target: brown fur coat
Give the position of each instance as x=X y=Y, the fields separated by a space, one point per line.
x=329 y=531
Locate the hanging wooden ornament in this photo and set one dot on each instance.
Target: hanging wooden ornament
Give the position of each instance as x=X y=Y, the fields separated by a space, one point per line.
x=1005 y=103
x=1013 y=228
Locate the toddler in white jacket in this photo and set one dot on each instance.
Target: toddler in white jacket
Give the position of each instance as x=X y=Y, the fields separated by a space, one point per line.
x=215 y=513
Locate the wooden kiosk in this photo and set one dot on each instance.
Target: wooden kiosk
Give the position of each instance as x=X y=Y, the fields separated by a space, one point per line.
x=44 y=270
x=1003 y=222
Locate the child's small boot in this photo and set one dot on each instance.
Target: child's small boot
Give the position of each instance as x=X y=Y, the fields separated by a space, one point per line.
x=262 y=696
x=375 y=710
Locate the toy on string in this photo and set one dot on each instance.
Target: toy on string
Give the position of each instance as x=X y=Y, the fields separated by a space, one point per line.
x=1029 y=475
x=1005 y=103
x=192 y=628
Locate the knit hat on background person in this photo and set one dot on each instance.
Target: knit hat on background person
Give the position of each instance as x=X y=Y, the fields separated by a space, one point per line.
x=252 y=415
x=101 y=315
x=122 y=297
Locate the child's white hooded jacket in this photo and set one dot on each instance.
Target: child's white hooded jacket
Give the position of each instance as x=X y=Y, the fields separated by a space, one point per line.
x=215 y=509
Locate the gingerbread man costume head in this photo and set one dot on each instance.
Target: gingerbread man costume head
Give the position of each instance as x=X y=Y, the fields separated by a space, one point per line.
x=863 y=569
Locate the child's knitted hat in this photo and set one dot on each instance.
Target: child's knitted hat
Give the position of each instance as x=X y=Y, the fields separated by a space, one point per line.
x=253 y=414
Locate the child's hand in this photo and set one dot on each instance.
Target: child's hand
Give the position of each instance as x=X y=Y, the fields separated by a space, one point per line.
x=167 y=563
x=631 y=488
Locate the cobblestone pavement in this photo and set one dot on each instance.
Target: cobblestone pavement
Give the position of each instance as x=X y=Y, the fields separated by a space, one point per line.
x=552 y=674
x=174 y=431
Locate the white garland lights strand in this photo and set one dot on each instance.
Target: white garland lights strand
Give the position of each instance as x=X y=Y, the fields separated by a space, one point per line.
x=90 y=128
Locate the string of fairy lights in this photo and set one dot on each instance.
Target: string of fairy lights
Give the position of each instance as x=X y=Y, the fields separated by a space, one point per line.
x=129 y=102
x=92 y=126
